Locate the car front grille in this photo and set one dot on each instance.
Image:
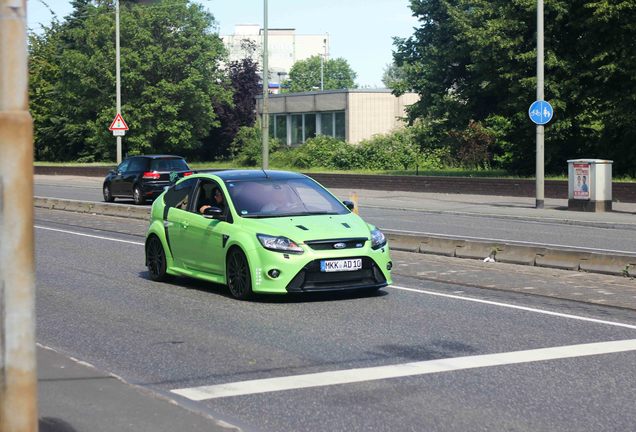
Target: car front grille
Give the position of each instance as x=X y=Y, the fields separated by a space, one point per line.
x=349 y=243
x=310 y=278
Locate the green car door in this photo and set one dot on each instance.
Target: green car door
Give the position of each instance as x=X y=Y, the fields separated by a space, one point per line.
x=199 y=244
x=202 y=245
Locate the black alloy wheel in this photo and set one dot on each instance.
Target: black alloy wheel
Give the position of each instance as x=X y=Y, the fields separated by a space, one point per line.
x=239 y=279
x=138 y=197
x=156 y=259
x=108 y=196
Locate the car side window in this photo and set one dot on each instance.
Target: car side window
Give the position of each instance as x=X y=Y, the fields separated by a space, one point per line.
x=206 y=195
x=123 y=167
x=180 y=195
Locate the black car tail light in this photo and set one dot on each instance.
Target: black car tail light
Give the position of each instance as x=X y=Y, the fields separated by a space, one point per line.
x=152 y=175
x=189 y=173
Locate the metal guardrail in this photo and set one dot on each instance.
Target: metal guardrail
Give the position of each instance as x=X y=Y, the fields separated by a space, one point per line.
x=506 y=252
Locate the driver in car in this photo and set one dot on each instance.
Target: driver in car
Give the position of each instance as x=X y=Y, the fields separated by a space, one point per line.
x=216 y=201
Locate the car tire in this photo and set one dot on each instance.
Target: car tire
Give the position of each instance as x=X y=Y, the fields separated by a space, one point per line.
x=156 y=259
x=138 y=196
x=108 y=195
x=239 y=278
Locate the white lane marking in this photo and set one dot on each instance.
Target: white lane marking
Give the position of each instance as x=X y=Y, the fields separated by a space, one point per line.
x=513 y=242
x=511 y=306
x=89 y=235
x=402 y=370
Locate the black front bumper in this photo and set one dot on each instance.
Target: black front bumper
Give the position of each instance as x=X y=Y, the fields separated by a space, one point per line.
x=310 y=278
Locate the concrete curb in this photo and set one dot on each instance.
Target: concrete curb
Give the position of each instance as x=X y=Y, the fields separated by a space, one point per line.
x=562 y=258
x=553 y=220
x=120 y=210
x=506 y=252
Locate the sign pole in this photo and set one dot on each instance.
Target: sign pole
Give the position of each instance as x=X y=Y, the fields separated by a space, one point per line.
x=118 y=77
x=18 y=381
x=540 y=175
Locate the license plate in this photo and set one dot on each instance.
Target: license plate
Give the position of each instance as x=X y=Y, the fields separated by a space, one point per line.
x=341 y=265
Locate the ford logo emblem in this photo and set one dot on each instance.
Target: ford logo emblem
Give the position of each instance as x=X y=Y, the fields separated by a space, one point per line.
x=340 y=245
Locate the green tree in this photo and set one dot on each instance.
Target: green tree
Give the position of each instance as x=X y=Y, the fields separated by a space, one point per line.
x=473 y=63
x=244 y=82
x=305 y=75
x=171 y=79
x=393 y=77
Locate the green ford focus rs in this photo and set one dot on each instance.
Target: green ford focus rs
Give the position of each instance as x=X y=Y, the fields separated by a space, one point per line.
x=263 y=232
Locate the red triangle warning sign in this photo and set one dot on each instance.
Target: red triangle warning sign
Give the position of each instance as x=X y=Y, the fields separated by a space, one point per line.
x=118 y=123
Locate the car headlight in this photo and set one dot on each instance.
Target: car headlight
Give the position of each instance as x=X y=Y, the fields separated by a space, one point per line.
x=377 y=239
x=279 y=244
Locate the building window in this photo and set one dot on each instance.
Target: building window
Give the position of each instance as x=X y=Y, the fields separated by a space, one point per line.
x=310 y=126
x=339 y=125
x=280 y=124
x=272 y=126
x=296 y=129
x=326 y=124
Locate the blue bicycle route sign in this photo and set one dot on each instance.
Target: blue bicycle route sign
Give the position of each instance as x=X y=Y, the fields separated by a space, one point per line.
x=540 y=112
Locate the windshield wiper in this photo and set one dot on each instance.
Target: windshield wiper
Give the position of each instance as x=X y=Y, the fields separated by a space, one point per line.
x=279 y=215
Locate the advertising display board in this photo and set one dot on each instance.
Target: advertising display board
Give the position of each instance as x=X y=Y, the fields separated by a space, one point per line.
x=582 y=182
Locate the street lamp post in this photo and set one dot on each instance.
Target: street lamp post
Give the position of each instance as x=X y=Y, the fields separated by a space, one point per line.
x=323 y=58
x=322 y=72
x=265 y=118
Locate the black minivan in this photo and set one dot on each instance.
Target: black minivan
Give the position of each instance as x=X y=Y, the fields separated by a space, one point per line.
x=144 y=177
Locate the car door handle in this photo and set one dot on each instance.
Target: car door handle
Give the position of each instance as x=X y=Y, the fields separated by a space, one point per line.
x=185 y=225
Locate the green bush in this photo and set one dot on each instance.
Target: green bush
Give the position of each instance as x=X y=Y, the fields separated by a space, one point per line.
x=393 y=151
x=247 y=147
x=396 y=151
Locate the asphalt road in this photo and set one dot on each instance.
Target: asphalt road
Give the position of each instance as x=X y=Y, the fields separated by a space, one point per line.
x=96 y=303
x=544 y=232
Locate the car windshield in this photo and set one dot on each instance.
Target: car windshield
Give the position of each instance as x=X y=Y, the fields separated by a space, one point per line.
x=264 y=198
x=174 y=164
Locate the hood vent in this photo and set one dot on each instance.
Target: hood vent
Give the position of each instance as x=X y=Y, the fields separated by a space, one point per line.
x=346 y=225
x=304 y=228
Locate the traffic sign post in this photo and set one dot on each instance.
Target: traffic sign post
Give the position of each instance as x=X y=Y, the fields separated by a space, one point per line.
x=118 y=124
x=118 y=127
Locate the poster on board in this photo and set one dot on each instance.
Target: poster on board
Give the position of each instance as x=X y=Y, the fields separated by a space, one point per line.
x=582 y=181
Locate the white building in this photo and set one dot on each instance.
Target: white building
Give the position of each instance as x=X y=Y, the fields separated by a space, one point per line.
x=352 y=115
x=285 y=48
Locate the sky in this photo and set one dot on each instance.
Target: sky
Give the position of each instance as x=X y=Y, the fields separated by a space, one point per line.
x=360 y=31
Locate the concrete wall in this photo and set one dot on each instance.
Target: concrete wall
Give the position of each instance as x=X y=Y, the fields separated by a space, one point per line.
x=295 y=103
x=375 y=113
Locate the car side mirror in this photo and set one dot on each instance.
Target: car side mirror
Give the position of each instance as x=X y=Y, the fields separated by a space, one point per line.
x=212 y=213
x=349 y=204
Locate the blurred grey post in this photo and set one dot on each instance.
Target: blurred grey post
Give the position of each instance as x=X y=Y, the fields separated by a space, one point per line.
x=265 y=119
x=18 y=382
x=118 y=76
x=540 y=129
x=322 y=72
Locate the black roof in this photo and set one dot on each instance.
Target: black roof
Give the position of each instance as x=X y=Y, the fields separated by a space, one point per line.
x=236 y=175
x=157 y=156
